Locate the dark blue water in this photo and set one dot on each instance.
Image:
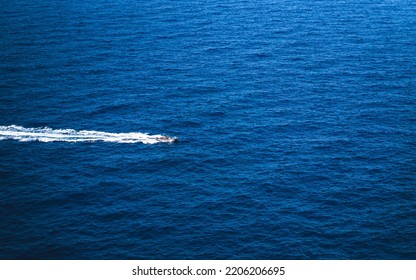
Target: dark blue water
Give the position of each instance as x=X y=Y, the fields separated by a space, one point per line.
x=296 y=120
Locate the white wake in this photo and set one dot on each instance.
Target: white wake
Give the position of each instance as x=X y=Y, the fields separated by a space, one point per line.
x=46 y=134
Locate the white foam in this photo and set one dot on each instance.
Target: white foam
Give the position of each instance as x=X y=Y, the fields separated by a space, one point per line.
x=46 y=134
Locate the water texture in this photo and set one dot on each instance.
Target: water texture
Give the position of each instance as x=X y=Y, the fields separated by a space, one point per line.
x=296 y=123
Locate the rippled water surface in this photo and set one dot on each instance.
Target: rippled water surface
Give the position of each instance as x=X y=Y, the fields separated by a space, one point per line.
x=296 y=123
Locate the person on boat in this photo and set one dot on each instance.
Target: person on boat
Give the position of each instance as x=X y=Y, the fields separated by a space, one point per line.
x=164 y=138
x=167 y=139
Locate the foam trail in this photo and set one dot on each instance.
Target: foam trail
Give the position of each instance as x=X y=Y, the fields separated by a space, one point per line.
x=46 y=134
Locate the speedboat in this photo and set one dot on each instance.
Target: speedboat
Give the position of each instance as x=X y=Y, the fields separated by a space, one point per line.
x=166 y=139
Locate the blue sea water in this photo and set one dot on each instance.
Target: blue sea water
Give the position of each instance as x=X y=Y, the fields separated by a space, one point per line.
x=296 y=123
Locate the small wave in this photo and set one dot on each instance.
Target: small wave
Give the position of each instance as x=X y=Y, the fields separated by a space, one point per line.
x=46 y=134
